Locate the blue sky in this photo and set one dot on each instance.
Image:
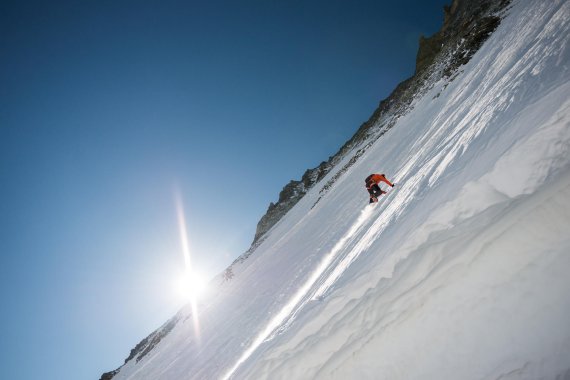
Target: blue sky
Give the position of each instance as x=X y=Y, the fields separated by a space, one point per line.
x=108 y=108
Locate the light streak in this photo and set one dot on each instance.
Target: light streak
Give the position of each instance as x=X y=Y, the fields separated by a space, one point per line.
x=183 y=230
x=295 y=303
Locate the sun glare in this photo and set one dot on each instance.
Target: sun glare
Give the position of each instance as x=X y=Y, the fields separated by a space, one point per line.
x=190 y=286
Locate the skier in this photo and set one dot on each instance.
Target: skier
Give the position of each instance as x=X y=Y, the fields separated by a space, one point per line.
x=374 y=190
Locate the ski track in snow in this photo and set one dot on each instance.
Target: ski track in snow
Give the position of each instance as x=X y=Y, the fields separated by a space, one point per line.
x=458 y=272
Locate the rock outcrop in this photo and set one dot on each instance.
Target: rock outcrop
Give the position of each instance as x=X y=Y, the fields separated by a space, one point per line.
x=145 y=346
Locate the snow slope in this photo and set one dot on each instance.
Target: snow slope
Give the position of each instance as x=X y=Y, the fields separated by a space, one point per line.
x=461 y=270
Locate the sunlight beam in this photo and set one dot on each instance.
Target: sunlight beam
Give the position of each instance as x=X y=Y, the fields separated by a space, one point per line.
x=188 y=273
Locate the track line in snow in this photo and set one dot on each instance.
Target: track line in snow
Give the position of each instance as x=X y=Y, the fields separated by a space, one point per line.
x=295 y=304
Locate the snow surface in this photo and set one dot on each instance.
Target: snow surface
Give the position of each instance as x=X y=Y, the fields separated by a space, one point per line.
x=460 y=272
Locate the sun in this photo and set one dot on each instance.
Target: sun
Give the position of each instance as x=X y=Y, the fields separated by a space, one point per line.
x=190 y=286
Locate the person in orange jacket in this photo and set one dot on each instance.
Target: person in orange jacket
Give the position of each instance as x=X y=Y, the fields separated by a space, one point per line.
x=372 y=185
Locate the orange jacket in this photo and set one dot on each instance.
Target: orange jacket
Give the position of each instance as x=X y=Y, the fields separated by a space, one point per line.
x=375 y=179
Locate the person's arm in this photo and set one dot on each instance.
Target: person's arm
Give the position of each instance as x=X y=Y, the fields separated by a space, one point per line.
x=383 y=178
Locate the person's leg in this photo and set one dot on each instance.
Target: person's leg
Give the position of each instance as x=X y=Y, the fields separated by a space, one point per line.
x=372 y=194
x=377 y=191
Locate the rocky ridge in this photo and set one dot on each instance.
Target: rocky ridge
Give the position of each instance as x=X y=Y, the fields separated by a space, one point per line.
x=146 y=345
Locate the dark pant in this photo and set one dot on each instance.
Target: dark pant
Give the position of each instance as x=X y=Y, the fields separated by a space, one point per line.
x=375 y=191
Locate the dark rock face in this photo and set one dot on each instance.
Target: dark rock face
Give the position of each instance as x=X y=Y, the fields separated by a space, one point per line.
x=467 y=24
x=148 y=343
x=145 y=346
x=109 y=375
x=289 y=196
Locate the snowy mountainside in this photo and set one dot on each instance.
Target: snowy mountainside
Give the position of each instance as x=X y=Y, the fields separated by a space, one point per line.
x=467 y=24
x=459 y=272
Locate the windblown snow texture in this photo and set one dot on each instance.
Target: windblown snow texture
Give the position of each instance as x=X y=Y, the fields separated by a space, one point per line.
x=461 y=272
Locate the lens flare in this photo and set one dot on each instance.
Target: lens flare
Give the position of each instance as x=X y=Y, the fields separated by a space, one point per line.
x=189 y=284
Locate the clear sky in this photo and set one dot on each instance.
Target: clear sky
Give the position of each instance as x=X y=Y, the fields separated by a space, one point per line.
x=109 y=108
